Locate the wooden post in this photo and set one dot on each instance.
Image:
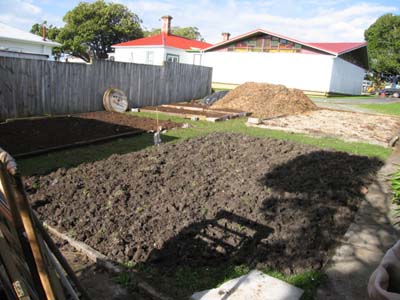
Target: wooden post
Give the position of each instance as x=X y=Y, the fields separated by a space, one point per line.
x=6 y=190
x=60 y=258
x=21 y=201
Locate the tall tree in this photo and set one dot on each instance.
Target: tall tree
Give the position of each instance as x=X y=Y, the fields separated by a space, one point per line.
x=383 y=39
x=187 y=32
x=96 y=26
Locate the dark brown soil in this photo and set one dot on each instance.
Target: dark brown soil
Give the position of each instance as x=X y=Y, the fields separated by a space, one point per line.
x=129 y=120
x=207 y=200
x=217 y=198
x=266 y=100
x=26 y=135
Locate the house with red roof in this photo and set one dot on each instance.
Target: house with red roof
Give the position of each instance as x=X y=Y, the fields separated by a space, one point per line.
x=264 y=56
x=260 y=56
x=157 y=49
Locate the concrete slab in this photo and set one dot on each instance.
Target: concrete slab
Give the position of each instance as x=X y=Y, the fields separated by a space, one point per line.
x=372 y=237
x=365 y=242
x=348 y=273
x=255 y=285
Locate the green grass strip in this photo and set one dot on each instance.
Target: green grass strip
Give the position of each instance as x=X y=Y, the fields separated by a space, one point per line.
x=69 y=158
x=389 y=108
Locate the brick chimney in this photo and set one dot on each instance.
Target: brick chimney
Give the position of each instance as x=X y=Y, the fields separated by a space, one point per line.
x=225 y=36
x=44 y=32
x=166 y=24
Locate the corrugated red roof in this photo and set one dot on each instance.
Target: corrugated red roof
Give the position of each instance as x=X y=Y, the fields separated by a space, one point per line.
x=331 y=48
x=168 y=40
x=337 y=48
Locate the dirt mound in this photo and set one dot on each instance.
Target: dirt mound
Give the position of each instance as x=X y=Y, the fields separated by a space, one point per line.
x=208 y=200
x=266 y=100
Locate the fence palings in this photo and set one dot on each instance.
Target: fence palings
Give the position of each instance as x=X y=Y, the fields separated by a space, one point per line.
x=39 y=87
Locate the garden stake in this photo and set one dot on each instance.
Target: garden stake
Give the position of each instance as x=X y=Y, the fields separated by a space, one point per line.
x=53 y=248
x=28 y=255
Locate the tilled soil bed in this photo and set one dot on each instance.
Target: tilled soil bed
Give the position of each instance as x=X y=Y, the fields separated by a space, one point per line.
x=205 y=201
x=27 y=135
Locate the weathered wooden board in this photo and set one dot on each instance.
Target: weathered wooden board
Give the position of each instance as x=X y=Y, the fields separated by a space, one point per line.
x=36 y=87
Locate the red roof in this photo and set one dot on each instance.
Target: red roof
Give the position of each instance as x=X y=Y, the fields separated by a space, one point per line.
x=337 y=48
x=331 y=48
x=169 y=40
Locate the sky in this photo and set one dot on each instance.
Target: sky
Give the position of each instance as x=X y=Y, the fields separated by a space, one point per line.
x=305 y=20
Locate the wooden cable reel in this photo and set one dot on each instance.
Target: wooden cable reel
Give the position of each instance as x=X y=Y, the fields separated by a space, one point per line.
x=115 y=100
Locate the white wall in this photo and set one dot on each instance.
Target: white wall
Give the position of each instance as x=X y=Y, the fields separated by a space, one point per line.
x=347 y=78
x=18 y=46
x=139 y=54
x=303 y=71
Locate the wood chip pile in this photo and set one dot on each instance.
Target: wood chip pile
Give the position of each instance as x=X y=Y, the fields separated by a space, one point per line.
x=265 y=100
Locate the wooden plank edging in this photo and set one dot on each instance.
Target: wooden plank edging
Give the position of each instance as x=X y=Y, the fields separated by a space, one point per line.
x=101 y=260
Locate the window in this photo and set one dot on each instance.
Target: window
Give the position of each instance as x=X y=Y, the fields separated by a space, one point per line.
x=172 y=58
x=150 y=57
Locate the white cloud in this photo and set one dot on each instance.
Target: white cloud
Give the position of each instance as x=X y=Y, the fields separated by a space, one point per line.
x=24 y=13
x=307 y=20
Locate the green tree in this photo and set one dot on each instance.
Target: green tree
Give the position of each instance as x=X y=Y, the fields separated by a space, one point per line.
x=187 y=32
x=383 y=39
x=52 y=33
x=96 y=26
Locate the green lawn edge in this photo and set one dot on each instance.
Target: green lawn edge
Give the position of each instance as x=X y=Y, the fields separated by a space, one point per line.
x=387 y=108
x=73 y=157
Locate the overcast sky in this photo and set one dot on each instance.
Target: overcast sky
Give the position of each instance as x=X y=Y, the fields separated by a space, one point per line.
x=306 y=20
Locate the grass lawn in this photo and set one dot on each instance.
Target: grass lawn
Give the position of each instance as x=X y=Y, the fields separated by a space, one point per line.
x=345 y=98
x=238 y=125
x=69 y=158
x=187 y=280
x=389 y=108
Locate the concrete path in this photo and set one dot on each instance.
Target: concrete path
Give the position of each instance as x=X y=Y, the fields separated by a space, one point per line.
x=365 y=242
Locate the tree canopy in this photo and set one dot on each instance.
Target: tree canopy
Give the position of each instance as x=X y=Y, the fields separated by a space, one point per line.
x=383 y=39
x=96 y=26
x=52 y=33
x=187 y=32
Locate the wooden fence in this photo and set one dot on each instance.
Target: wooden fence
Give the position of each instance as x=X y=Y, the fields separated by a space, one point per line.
x=37 y=87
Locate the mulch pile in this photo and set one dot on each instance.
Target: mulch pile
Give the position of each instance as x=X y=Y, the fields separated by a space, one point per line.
x=266 y=100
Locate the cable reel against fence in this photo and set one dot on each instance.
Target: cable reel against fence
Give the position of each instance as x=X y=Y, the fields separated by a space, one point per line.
x=115 y=100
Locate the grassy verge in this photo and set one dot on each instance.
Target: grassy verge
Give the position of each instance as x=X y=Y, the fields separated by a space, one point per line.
x=69 y=158
x=184 y=281
x=343 y=97
x=238 y=125
x=389 y=108
x=396 y=195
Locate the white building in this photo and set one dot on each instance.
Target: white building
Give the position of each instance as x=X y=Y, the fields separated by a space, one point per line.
x=260 y=56
x=263 y=56
x=18 y=43
x=156 y=49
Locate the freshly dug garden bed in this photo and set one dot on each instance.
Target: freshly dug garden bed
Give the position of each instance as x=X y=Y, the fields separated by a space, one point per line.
x=27 y=135
x=205 y=201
